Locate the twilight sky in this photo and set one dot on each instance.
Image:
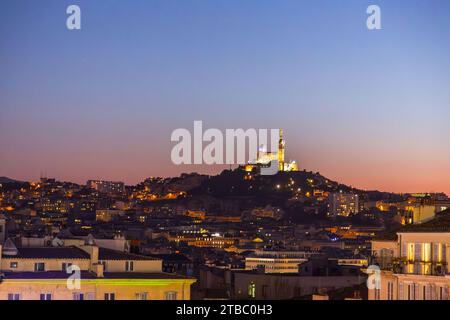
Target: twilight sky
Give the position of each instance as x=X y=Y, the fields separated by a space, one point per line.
x=367 y=108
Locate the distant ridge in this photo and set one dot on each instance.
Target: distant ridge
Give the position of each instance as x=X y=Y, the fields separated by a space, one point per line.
x=8 y=180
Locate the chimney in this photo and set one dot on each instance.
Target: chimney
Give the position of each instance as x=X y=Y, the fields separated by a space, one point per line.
x=93 y=254
x=97 y=268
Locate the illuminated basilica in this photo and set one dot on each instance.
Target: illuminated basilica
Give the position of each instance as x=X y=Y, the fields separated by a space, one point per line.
x=265 y=158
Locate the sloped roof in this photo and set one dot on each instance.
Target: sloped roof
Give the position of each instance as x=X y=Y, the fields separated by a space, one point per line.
x=143 y=275
x=50 y=253
x=50 y=275
x=178 y=257
x=57 y=275
x=109 y=254
x=441 y=223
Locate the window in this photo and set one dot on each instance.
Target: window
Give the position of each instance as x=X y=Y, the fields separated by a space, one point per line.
x=13 y=296
x=110 y=296
x=13 y=265
x=39 y=266
x=410 y=291
x=78 y=296
x=264 y=291
x=46 y=296
x=426 y=252
x=410 y=252
x=252 y=290
x=428 y=292
x=141 y=296
x=65 y=266
x=103 y=263
x=390 y=291
x=377 y=294
x=401 y=294
x=90 y=296
x=129 y=266
x=171 y=295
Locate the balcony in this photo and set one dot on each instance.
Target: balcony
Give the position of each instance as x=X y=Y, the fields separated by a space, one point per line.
x=404 y=266
x=420 y=268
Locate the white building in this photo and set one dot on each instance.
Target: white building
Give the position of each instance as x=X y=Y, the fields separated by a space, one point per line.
x=415 y=266
x=277 y=261
x=343 y=204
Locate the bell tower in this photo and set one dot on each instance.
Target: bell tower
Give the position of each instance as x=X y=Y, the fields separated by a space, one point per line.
x=281 y=148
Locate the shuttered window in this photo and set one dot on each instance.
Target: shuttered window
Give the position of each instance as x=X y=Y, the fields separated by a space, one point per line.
x=400 y=291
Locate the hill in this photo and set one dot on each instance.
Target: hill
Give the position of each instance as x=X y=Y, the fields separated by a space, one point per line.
x=5 y=180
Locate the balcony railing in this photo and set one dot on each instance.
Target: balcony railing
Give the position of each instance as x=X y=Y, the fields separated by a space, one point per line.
x=424 y=268
x=403 y=266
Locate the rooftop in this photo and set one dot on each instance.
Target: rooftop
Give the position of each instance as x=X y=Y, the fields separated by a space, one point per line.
x=86 y=275
x=108 y=254
x=49 y=253
x=441 y=223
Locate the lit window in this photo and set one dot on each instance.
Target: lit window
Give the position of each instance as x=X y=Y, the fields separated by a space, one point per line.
x=252 y=290
x=426 y=252
x=410 y=252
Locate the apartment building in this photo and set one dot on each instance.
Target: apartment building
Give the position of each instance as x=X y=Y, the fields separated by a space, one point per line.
x=415 y=265
x=343 y=204
x=85 y=272
x=277 y=261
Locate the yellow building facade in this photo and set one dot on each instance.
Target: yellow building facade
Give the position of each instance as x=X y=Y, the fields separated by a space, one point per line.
x=86 y=273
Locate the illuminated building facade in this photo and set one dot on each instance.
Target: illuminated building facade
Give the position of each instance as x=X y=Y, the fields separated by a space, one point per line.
x=414 y=267
x=107 y=215
x=205 y=241
x=41 y=274
x=276 y=261
x=343 y=204
x=108 y=187
x=418 y=213
x=266 y=157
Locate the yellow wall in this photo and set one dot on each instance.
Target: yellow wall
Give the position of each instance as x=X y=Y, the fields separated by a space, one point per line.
x=124 y=289
x=27 y=265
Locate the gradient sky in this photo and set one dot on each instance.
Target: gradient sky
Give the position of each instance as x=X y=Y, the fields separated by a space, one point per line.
x=367 y=108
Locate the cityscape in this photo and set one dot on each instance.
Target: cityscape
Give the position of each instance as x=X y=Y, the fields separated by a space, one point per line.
x=104 y=195
x=238 y=235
